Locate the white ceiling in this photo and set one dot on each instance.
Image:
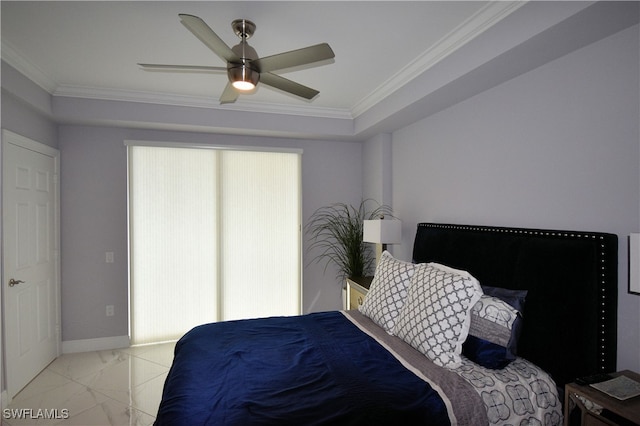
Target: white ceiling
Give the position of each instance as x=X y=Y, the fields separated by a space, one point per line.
x=90 y=50
x=97 y=45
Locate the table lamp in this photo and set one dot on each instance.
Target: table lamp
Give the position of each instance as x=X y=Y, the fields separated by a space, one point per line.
x=382 y=232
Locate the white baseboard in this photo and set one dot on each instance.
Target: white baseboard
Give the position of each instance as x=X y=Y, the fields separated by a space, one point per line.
x=100 y=344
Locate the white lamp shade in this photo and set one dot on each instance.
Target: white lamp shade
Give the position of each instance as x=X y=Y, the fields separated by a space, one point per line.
x=383 y=231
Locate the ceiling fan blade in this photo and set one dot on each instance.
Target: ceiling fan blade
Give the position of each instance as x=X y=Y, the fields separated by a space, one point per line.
x=287 y=85
x=188 y=68
x=294 y=58
x=206 y=35
x=229 y=95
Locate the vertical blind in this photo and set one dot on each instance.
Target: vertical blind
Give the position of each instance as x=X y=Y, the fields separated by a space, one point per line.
x=214 y=235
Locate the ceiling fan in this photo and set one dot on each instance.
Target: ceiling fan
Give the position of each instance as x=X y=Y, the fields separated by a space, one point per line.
x=244 y=68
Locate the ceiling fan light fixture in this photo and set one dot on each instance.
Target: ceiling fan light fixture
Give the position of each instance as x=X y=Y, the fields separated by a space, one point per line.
x=243 y=78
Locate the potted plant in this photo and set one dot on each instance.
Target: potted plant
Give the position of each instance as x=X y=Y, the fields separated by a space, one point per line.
x=336 y=231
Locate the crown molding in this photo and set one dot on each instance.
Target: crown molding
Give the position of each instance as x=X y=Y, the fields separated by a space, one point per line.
x=475 y=25
x=11 y=56
x=197 y=102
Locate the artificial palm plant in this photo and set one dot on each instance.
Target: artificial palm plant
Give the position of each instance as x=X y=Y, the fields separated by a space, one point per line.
x=336 y=231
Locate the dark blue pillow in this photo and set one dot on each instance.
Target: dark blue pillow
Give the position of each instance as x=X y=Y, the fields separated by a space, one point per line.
x=514 y=298
x=485 y=353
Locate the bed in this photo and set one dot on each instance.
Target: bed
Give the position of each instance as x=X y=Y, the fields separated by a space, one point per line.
x=484 y=326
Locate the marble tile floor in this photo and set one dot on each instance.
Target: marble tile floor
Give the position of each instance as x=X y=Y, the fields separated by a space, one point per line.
x=114 y=387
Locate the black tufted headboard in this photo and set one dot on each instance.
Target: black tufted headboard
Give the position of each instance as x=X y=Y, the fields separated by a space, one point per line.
x=570 y=314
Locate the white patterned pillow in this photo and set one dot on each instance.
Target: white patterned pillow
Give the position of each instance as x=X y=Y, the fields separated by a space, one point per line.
x=435 y=318
x=388 y=291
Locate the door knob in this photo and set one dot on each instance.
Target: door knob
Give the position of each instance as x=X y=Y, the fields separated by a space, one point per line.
x=13 y=282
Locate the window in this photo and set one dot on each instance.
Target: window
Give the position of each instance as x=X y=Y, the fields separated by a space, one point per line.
x=214 y=235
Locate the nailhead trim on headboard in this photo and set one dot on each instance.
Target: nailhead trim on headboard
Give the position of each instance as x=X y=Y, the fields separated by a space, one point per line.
x=607 y=316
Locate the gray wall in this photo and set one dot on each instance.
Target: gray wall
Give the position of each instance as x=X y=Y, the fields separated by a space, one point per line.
x=94 y=218
x=376 y=156
x=30 y=118
x=557 y=147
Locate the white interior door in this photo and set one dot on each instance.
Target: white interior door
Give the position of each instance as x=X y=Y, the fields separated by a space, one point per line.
x=30 y=262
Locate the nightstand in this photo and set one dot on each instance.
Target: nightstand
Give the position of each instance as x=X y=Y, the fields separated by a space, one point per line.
x=357 y=289
x=614 y=411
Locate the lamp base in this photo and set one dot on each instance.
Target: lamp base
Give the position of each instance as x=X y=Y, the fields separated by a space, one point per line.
x=379 y=249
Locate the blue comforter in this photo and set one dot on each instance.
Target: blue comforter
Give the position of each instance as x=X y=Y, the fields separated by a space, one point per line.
x=307 y=370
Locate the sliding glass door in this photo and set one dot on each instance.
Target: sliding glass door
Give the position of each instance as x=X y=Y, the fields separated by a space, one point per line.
x=214 y=235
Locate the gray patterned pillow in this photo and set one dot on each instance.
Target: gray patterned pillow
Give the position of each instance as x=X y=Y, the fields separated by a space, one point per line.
x=435 y=318
x=388 y=291
x=493 y=320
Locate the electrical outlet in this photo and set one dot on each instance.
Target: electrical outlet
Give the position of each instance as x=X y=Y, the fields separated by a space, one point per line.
x=109 y=257
x=110 y=310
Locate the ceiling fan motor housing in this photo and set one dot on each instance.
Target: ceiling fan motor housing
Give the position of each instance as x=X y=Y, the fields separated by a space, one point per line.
x=243 y=74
